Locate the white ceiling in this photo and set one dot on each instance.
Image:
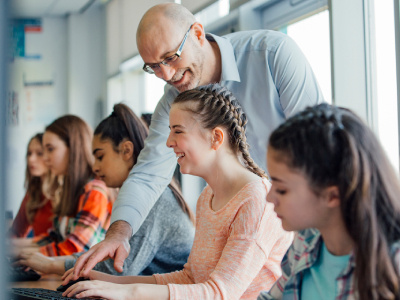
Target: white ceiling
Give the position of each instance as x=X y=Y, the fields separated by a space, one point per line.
x=49 y=8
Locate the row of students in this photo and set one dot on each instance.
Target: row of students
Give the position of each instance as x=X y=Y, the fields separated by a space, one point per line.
x=35 y=214
x=331 y=182
x=164 y=240
x=328 y=193
x=81 y=204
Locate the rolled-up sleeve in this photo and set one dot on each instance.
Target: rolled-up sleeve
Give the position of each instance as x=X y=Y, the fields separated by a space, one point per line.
x=153 y=171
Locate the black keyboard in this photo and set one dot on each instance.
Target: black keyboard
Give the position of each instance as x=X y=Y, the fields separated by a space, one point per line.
x=42 y=294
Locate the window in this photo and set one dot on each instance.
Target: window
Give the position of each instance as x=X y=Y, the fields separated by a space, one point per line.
x=386 y=84
x=312 y=36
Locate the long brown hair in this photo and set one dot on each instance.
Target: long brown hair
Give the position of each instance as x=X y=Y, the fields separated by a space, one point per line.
x=217 y=106
x=332 y=146
x=33 y=186
x=124 y=124
x=77 y=136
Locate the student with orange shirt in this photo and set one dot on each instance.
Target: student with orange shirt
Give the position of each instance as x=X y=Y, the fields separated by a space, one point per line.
x=35 y=212
x=82 y=204
x=239 y=241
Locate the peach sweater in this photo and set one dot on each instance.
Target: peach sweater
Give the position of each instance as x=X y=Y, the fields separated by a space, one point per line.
x=237 y=250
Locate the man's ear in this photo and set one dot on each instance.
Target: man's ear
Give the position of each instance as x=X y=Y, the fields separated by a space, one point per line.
x=217 y=138
x=199 y=32
x=332 y=196
x=127 y=150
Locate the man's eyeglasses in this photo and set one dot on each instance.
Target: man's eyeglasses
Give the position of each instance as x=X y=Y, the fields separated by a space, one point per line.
x=152 y=68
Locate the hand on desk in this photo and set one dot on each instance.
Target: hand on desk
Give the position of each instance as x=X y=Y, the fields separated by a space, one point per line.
x=22 y=242
x=115 y=287
x=41 y=263
x=96 y=279
x=19 y=252
x=107 y=290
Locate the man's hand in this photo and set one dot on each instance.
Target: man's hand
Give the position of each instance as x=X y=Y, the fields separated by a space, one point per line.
x=115 y=246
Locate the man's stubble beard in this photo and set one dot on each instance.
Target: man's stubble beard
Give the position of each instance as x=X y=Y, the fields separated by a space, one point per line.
x=197 y=70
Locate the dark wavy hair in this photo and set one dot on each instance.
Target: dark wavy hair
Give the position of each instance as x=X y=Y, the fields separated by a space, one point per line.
x=332 y=146
x=215 y=105
x=124 y=124
x=77 y=136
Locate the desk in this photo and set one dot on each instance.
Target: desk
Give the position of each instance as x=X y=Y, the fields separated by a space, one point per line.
x=50 y=282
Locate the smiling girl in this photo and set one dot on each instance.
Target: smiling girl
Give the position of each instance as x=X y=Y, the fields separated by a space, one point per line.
x=332 y=182
x=82 y=203
x=239 y=241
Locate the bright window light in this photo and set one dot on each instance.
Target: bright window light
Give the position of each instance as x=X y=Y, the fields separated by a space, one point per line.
x=386 y=79
x=312 y=36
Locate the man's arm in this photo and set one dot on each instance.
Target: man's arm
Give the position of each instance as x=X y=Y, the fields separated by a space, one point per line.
x=144 y=185
x=152 y=172
x=294 y=78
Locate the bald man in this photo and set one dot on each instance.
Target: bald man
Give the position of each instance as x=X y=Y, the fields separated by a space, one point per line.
x=265 y=70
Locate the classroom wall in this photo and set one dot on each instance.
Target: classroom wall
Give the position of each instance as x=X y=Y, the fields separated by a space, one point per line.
x=36 y=105
x=87 y=65
x=63 y=72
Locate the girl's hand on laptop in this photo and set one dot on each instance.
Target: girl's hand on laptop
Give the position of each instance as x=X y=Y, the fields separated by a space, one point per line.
x=36 y=261
x=97 y=288
x=114 y=291
x=22 y=242
x=67 y=277
x=93 y=275
x=18 y=252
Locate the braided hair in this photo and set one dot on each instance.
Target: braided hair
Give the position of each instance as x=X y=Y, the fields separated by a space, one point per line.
x=217 y=106
x=332 y=146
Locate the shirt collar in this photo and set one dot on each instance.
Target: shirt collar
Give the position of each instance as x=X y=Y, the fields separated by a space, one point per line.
x=229 y=68
x=312 y=243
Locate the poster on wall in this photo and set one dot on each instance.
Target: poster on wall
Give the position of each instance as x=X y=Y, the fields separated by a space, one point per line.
x=38 y=94
x=20 y=27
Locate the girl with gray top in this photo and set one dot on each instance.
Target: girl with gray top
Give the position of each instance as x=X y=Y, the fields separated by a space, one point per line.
x=164 y=240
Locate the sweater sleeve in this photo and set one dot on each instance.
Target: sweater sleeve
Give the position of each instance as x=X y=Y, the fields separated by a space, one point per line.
x=276 y=292
x=179 y=277
x=242 y=259
x=89 y=219
x=153 y=171
x=20 y=227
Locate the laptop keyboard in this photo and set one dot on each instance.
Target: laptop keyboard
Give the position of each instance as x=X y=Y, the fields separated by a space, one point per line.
x=43 y=294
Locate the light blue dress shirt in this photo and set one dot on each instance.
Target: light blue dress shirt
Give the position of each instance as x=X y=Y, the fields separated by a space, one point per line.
x=272 y=80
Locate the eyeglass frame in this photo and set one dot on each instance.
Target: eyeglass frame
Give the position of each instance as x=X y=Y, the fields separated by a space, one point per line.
x=166 y=61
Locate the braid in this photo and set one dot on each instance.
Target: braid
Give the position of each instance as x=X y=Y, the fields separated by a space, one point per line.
x=217 y=106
